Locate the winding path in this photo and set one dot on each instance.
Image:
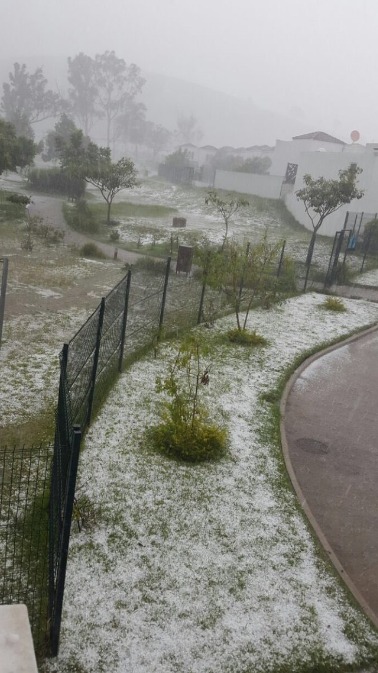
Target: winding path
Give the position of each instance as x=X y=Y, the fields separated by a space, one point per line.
x=330 y=440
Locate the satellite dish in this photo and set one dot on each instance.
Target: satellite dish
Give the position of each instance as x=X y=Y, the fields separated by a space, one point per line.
x=355 y=135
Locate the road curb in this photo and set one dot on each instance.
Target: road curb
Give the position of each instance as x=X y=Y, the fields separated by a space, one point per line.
x=300 y=495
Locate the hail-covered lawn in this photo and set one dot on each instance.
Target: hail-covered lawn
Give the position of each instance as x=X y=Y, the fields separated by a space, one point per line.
x=203 y=222
x=208 y=568
x=29 y=362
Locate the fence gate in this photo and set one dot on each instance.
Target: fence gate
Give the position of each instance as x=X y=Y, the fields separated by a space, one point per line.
x=343 y=242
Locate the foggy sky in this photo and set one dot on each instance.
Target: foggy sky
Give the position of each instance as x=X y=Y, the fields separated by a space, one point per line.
x=315 y=60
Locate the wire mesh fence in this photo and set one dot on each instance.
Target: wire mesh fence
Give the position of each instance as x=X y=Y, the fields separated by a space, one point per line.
x=130 y=318
x=24 y=498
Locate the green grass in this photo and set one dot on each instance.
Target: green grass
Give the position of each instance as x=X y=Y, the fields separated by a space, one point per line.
x=10 y=211
x=36 y=429
x=245 y=338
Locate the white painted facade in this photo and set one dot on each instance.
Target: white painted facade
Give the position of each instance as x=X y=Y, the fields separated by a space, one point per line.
x=267 y=186
x=328 y=165
x=289 y=151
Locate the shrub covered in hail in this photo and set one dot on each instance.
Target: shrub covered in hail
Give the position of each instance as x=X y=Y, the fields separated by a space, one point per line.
x=334 y=304
x=246 y=338
x=185 y=430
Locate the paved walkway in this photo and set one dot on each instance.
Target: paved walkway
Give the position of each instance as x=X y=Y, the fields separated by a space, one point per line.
x=330 y=439
x=50 y=208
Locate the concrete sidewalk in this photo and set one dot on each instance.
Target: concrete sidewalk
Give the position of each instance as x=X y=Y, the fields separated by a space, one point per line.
x=329 y=434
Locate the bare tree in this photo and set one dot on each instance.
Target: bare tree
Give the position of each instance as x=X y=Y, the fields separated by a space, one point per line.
x=226 y=207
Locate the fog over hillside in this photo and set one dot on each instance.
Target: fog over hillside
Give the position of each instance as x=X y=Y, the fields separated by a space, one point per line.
x=223 y=119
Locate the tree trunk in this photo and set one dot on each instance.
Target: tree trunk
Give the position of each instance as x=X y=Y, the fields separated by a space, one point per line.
x=310 y=250
x=108 y=213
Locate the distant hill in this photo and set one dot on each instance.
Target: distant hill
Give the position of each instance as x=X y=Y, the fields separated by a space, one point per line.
x=224 y=119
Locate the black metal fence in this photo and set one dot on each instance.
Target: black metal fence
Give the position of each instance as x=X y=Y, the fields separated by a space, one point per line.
x=38 y=485
x=3 y=290
x=24 y=514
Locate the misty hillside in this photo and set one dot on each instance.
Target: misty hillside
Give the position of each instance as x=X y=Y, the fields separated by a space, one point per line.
x=223 y=119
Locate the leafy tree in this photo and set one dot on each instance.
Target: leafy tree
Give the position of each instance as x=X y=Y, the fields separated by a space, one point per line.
x=188 y=129
x=15 y=151
x=225 y=161
x=83 y=91
x=26 y=100
x=178 y=159
x=321 y=197
x=93 y=164
x=157 y=138
x=226 y=207
x=130 y=126
x=117 y=84
x=245 y=275
x=55 y=139
x=110 y=178
x=258 y=165
x=186 y=430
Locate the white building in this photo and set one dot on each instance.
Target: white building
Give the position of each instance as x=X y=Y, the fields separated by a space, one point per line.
x=327 y=164
x=319 y=155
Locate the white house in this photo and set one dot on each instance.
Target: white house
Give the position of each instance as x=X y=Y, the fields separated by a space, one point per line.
x=328 y=164
x=289 y=151
x=318 y=154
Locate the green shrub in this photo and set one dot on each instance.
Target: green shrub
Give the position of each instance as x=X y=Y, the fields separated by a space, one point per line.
x=246 y=338
x=91 y=250
x=185 y=430
x=150 y=264
x=46 y=232
x=56 y=181
x=81 y=217
x=114 y=235
x=334 y=304
x=193 y=443
x=18 y=198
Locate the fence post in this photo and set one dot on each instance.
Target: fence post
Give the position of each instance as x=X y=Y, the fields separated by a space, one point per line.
x=95 y=361
x=3 y=290
x=166 y=278
x=124 y=321
x=66 y=530
x=205 y=272
x=366 y=250
x=281 y=259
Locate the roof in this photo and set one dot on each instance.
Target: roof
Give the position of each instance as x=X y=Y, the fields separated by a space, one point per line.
x=319 y=135
x=208 y=147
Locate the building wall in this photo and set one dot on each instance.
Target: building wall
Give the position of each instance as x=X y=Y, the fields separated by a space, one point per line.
x=328 y=164
x=289 y=151
x=268 y=186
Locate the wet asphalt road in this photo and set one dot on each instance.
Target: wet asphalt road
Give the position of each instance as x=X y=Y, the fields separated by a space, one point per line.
x=331 y=427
